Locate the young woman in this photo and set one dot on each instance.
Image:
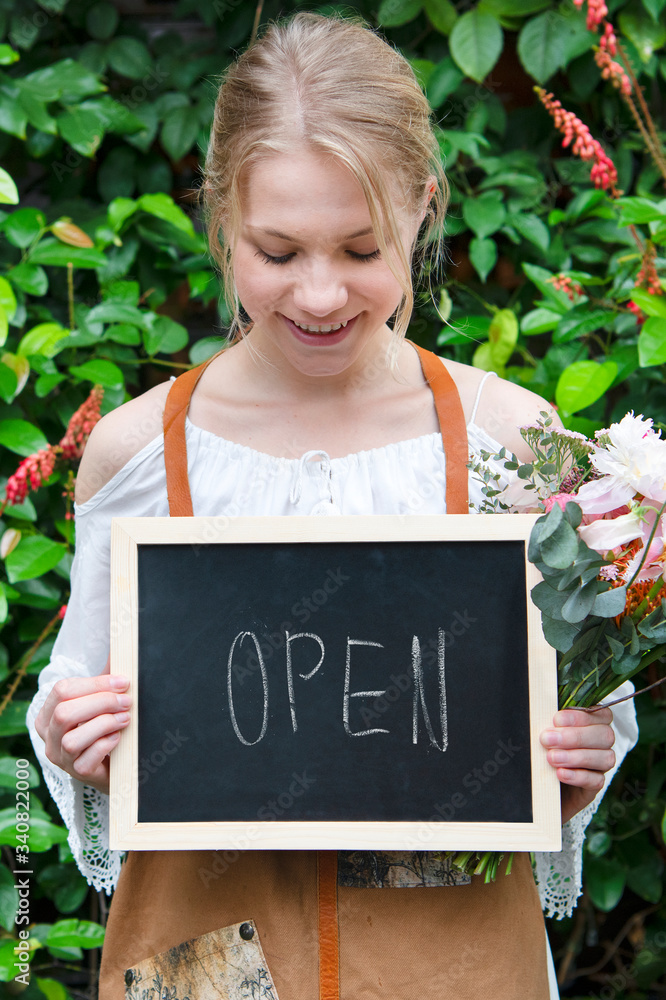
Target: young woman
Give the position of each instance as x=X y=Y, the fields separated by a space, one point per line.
x=323 y=182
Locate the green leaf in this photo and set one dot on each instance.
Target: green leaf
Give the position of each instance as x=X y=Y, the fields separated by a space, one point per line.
x=559 y=549
x=179 y=132
x=165 y=337
x=124 y=333
x=8 y=959
x=12 y=720
x=476 y=43
x=12 y=117
x=611 y=603
x=543 y=280
x=541 y=45
x=641 y=29
x=393 y=13
x=579 y=604
x=114 y=311
x=120 y=210
x=503 y=336
x=9 y=896
x=560 y=635
x=67 y=80
x=640 y=210
x=82 y=129
x=102 y=20
x=23 y=226
x=539 y=321
x=129 y=57
x=580 y=321
x=652 y=305
x=55 y=253
x=8 y=190
x=29 y=278
x=652 y=342
x=442 y=14
x=21 y=437
x=65 y=886
x=646 y=879
x=605 y=881
x=35 y=111
x=8 y=774
x=42 y=339
x=164 y=207
x=7 y=298
x=583 y=383
x=8 y=382
x=33 y=556
x=99 y=371
x=74 y=933
x=52 y=989
x=443 y=81
x=531 y=227
x=43 y=833
x=483 y=255
x=8 y=55
x=484 y=215
x=204 y=349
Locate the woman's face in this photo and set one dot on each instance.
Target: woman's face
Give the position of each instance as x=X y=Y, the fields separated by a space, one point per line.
x=307 y=266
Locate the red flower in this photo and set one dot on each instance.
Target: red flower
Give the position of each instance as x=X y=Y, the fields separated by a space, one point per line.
x=81 y=424
x=30 y=474
x=603 y=173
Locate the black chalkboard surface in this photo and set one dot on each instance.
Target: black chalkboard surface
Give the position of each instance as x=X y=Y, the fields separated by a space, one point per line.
x=333 y=681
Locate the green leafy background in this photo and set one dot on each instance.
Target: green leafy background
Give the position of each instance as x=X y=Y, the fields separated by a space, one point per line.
x=104 y=120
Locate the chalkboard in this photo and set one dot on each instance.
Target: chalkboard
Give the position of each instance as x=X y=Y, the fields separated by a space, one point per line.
x=348 y=682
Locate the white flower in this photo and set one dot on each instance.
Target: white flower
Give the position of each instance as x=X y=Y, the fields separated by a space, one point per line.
x=632 y=461
x=606 y=534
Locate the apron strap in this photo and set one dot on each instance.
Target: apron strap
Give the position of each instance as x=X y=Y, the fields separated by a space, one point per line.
x=452 y=428
x=175 y=447
x=329 y=953
x=449 y=412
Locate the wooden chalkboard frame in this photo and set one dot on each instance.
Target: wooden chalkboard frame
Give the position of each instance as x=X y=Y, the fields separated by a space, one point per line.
x=127 y=534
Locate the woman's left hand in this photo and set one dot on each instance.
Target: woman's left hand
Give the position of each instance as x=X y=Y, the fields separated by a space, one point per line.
x=579 y=748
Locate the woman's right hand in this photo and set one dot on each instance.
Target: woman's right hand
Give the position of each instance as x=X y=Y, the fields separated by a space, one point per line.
x=80 y=723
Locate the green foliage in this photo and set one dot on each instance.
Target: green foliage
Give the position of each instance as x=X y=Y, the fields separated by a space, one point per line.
x=105 y=279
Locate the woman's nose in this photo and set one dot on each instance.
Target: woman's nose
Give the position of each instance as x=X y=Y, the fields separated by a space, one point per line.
x=320 y=290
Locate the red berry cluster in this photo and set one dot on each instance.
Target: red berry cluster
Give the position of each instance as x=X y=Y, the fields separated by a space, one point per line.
x=603 y=173
x=596 y=12
x=565 y=284
x=37 y=467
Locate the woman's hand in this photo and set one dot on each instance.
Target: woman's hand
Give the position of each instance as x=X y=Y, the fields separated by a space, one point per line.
x=80 y=723
x=579 y=748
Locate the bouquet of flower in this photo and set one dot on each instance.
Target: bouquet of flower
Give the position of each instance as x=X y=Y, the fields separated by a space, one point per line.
x=600 y=549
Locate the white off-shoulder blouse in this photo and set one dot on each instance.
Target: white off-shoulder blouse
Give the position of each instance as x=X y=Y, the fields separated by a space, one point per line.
x=227 y=479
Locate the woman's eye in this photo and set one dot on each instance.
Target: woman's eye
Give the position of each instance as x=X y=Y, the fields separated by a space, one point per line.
x=365 y=256
x=273 y=260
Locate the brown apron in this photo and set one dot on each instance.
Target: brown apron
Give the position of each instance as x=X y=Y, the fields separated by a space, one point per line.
x=321 y=940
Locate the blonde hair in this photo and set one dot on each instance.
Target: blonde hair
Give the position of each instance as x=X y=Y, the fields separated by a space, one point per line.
x=335 y=85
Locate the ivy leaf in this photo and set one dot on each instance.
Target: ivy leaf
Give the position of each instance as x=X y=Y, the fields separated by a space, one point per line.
x=476 y=43
x=541 y=45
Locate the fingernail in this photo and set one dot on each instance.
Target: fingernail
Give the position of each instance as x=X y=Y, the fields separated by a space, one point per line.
x=124 y=701
x=114 y=737
x=557 y=756
x=118 y=683
x=122 y=716
x=551 y=738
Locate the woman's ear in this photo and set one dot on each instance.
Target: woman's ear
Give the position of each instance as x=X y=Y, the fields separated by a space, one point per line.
x=431 y=187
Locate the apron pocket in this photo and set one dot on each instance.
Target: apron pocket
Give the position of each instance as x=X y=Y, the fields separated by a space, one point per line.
x=228 y=962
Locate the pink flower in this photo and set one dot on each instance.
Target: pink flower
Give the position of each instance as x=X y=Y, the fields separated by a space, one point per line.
x=30 y=474
x=560 y=498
